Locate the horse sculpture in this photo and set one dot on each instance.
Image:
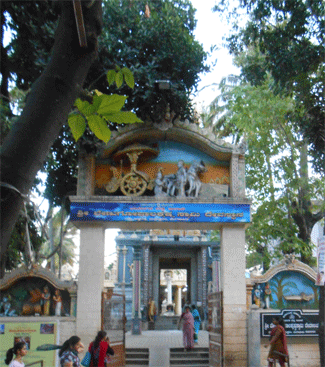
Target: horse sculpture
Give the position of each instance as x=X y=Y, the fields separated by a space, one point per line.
x=193 y=178
x=176 y=184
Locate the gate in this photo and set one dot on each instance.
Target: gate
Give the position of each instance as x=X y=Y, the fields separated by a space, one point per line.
x=215 y=317
x=113 y=322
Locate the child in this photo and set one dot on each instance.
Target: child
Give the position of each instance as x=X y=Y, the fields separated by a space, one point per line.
x=20 y=350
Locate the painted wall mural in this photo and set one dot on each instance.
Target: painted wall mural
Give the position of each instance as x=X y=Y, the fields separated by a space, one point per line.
x=287 y=290
x=166 y=163
x=34 y=296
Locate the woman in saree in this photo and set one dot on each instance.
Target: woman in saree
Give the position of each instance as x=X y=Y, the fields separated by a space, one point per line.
x=278 y=343
x=188 y=328
x=197 y=323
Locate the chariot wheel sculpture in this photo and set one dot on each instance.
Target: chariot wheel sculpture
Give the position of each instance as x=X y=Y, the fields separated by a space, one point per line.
x=133 y=184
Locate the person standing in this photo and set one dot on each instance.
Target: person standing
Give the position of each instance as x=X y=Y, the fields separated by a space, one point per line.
x=152 y=310
x=188 y=328
x=100 y=350
x=197 y=323
x=19 y=350
x=278 y=343
x=69 y=352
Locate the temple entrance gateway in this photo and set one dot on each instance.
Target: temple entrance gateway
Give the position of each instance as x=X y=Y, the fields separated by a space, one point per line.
x=166 y=190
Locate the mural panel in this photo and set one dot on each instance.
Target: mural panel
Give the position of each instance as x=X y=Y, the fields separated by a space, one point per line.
x=287 y=289
x=34 y=296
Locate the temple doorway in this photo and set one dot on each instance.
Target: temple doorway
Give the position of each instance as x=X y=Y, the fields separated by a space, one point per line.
x=173 y=291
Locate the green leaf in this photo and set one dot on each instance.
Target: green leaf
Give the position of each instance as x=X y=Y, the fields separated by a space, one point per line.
x=119 y=79
x=128 y=77
x=111 y=104
x=85 y=107
x=77 y=125
x=99 y=127
x=122 y=117
x=111 y=76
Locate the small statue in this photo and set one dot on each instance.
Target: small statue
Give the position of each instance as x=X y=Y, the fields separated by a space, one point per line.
x=193 y=178
x=267 y=293
x=257 y=295
x=6 y=306
x=46 y=297
x=58 y=302
x=33 y=305
x=160 y=184
x=176 y=182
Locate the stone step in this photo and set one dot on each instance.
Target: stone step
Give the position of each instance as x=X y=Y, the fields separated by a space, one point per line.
x=198 y=357
x=136 y=357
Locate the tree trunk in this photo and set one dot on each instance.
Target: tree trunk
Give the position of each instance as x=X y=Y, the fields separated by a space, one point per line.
x=28 y=143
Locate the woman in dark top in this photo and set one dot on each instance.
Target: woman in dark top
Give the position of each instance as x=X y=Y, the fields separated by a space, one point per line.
x=100 y=350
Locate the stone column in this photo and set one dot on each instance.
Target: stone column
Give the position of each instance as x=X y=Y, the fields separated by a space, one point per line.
x=234 y=178
x=254 y=339
x=86 y=175
x=90 y=282
x=204 y=277
x=233 y=286
x=178 y=307
x=124 y=252
x=146 y=274
x=168 y=276
x=215 y=253
x=136 y=311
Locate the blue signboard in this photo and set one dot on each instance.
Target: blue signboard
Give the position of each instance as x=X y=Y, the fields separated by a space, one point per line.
x=160 y=212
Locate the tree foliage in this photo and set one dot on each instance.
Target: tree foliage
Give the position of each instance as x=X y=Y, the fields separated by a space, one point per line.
x=160 y=46
x=154 y=46
x=290 y=37
x=276 y=167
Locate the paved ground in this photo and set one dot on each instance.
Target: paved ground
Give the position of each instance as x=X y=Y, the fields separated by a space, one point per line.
x=159 y=342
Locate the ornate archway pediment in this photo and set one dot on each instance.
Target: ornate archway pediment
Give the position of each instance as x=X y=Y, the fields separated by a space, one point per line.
x=38 y=272
x=181 y=131
x=288 y=263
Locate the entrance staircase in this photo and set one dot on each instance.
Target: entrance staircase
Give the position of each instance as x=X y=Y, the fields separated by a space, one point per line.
x=198 y=357
x=135 y=357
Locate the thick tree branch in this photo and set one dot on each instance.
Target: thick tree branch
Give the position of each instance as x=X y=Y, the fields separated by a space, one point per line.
x=49 y=102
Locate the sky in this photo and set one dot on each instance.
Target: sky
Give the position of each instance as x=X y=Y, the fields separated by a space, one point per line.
x=210 y=31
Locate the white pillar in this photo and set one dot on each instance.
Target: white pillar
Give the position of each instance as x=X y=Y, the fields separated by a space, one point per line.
x=90 y=282
x=124 y=252
x=179 y=301
x=168 y=276
x=233 y=286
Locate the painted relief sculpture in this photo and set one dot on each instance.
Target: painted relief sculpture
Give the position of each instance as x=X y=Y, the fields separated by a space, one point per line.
x=136 y=182
x=160 y=188
x=46 y=297
x=6 y=309
x=58 y=302
x=183 y=183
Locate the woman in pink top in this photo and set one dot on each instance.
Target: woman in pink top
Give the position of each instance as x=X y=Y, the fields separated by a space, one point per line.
x=188 y=328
